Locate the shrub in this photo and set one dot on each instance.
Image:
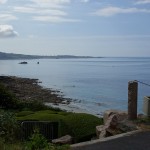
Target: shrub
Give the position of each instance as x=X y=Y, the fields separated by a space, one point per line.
x=7 y=99
x=8 y=126
x=31 y=105
x=37 y=142
x=82 y=126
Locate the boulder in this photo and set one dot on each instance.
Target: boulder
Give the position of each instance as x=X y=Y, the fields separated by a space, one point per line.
x=115 y=122
x=121 y=114
x=67 y=139
x=112 y=121
x=110 y=126
x=99 y=130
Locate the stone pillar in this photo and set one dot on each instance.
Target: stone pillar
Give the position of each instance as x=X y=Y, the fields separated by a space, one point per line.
x=132 y=100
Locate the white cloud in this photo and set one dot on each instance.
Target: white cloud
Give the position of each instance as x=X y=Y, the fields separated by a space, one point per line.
x=7 y=31
x=7 y=17
x=110 y=11
x=52 y=11
x=34 y=10
x=54 y=19
x=50 y=3
x=142 y=2
x=3 y=1
x=24 y=9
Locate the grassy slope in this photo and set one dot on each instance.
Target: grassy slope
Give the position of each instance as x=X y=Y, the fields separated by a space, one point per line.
x=80 y=126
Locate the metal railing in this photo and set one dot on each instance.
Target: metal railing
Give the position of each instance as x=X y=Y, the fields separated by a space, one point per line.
x=48 y=129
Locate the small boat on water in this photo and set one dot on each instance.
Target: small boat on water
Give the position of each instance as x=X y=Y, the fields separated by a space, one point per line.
x=23 y=62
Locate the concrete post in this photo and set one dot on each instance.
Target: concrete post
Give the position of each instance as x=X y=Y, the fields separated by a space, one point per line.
x=132 y=100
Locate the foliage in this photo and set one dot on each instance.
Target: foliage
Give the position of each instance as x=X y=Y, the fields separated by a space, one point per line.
x=10 y=146
x=8 y=126
x=7 y=99
x=32 y=105
x=143 y=120
x=80 y=126
x=37 y=142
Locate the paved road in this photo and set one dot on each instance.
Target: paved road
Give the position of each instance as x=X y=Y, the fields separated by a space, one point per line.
x=138 y=141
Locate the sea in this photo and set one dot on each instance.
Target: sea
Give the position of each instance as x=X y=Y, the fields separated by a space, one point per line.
x=94 y=84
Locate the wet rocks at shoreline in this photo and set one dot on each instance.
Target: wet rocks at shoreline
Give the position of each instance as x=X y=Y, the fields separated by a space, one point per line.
x=26 y=89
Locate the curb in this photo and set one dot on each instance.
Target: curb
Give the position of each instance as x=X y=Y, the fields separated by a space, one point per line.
x=104 y=139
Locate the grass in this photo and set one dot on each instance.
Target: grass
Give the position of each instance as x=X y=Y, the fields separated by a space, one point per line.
x=80 y=126
x=22 y=146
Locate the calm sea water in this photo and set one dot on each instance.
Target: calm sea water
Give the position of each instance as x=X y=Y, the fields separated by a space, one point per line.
x=97 y=84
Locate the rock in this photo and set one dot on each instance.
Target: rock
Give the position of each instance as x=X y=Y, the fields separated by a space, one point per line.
x=126 y=126
x=122 y=114
x=103 y=134
x=110 y=126
x=112 y=121
x=115 y=122
x=67 y=139
x=99 y=130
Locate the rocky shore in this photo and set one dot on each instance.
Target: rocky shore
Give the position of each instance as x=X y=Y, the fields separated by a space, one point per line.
x=26 y=89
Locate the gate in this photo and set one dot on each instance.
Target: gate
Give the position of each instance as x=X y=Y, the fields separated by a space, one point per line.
x=48 y=129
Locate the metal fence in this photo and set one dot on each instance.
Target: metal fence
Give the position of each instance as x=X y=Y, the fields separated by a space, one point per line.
x=48 y=129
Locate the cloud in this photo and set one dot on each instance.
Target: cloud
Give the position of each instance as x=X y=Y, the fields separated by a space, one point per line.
x=143 y=2
x=24 y=9
x=3 y=1
x=50 y=3
x=52 y=11
x=7 y=17
x=54 y=19
x=34 y=10
x=7 y=31
x=110 y=11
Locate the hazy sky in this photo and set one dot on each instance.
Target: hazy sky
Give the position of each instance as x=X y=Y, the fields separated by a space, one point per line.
x=77 y=27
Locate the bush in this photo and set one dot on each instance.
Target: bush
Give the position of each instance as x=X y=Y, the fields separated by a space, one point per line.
x=37 y=142
x=31 y=105
x=8 y=126
x=82 y=126
x=7 y=99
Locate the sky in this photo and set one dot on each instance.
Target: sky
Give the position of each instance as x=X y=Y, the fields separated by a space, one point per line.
x=75 y=27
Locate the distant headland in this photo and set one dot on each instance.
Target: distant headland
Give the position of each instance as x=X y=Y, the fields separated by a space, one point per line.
x=7 y=56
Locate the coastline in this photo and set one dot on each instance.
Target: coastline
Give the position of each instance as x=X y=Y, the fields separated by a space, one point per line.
x=26 y=89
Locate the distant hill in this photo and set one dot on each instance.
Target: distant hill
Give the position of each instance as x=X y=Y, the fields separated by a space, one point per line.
x=5 y=56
